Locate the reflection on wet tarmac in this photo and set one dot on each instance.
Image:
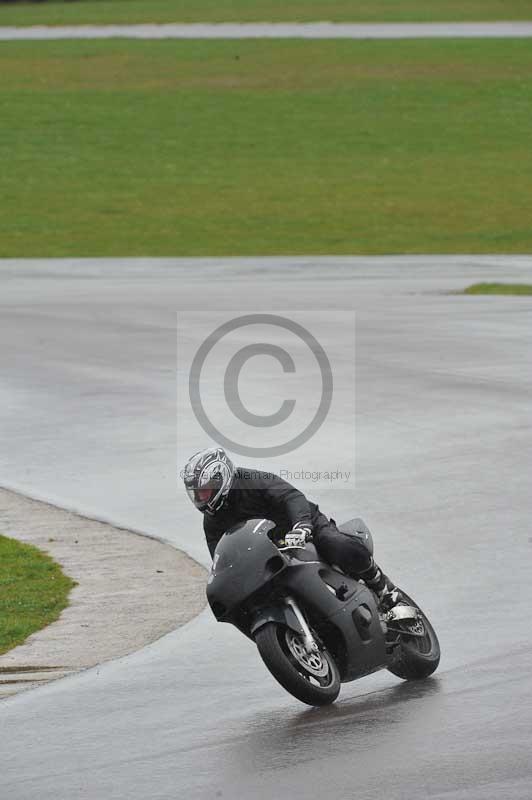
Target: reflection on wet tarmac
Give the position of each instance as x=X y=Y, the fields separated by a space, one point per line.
x=288 y=737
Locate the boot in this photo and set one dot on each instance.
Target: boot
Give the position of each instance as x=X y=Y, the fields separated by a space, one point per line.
x=377 y=581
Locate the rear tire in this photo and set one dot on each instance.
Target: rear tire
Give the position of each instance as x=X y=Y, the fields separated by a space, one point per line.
x=416 y=657
x=276 y=644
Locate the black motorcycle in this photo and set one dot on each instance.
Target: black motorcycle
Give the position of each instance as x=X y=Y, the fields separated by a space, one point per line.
x=315 y=627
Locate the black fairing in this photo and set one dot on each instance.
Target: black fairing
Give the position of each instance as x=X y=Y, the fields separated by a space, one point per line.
x=250 y=578
x=245 y=561
x=347 y=619
x=357 y=527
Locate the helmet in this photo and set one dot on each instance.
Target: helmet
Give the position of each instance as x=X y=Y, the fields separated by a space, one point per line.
x=208 y=476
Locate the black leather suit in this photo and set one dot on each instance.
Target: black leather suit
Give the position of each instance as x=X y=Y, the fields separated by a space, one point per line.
x=262 y=495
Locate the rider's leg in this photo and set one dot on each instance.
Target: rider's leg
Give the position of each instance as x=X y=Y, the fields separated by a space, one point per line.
x=349 y=553
x=376 y=580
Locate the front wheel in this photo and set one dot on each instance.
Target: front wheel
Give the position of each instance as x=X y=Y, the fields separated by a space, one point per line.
x=312 y=678
x=417 y=654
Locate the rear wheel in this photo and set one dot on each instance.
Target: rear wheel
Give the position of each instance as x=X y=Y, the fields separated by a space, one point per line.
x=418 y=653
x=312 y=677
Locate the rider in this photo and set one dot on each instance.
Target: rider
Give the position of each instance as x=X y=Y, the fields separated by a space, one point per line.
x=227 y=495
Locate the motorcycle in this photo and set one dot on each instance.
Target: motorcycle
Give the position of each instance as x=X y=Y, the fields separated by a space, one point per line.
x=315 y=627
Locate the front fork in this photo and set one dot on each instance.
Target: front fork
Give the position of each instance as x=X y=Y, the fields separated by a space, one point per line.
x=308 y=639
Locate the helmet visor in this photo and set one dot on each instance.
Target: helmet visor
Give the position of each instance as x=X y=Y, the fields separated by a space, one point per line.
x=201 y=496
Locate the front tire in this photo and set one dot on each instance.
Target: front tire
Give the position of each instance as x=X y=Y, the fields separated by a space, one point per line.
x=417 y=655
x=312 y=678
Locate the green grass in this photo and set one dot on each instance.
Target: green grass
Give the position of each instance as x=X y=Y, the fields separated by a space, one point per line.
x=128 y=11
x=499 y=288
x=265 y=147
x=33 y=591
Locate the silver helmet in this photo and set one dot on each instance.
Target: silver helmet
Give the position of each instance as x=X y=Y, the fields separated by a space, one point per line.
x=208 y=477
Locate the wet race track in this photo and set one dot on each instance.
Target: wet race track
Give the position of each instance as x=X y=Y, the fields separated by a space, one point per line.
x=443 y=466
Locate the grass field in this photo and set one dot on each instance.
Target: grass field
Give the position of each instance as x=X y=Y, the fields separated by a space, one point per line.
x=33 y=591
x=109 y=11
x=265 y=147
x=518 y=289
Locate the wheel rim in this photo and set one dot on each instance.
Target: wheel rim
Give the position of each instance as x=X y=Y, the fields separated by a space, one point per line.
x=421 y=638
x=314 y=666
x=417 y=627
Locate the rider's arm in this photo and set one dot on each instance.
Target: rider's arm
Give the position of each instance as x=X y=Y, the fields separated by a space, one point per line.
x=285 y=497
x=213 y=533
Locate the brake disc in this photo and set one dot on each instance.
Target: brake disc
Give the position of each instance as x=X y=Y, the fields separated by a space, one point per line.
x=312 y=662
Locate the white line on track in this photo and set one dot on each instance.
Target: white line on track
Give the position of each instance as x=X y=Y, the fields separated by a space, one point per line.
x=267 y=30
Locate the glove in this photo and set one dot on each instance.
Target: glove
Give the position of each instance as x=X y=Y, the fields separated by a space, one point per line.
x=297 y=536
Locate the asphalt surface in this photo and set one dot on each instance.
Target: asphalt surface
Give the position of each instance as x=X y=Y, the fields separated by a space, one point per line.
x=279 y=30
x=443 y=464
